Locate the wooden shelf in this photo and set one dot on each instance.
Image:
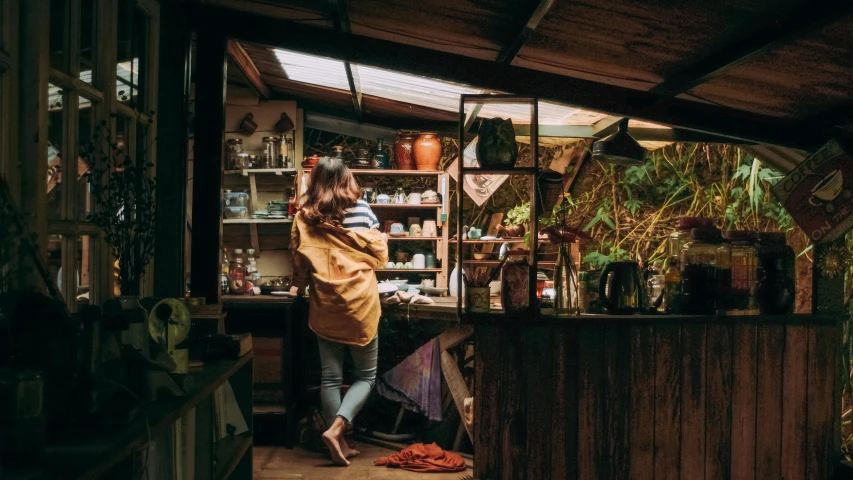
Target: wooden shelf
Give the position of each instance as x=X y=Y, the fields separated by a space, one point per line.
x=510 y=171
x=248 y=221
x=422 y=239
x=229 y=452
x=495 y=263
x=408 y=270
x=275 y=171
x=405 y=205
x=419 y=173
x=453 y=241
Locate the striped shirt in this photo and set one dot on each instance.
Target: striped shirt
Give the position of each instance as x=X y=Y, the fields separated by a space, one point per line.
x=360 y=218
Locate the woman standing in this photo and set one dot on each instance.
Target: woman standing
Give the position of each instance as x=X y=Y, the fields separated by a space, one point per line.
x=337 y=246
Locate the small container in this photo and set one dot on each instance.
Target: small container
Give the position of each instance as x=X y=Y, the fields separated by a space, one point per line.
x=253 y=161
x=236 y=213
x=243 y=161
x=430 y=260
x=742 y=297
x=776 y=274
x=271 y=152
x=515 y=282
x=233 y=149
x=655 y=285
x=237 y=275
x=705 y=272
x=681 y=235
x=236 y=199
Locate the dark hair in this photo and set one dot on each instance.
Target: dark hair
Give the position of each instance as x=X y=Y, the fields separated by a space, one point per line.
x=331 y=190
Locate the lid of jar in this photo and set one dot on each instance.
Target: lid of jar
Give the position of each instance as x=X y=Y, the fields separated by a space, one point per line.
x=772 y=238
x=706 y=234
x=740 y=236
x=270 y=139
x=234 y=141
x=541 y=276
x=689 y=223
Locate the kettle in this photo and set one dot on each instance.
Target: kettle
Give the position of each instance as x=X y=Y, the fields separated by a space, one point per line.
x=620 y=288
x=400 y=196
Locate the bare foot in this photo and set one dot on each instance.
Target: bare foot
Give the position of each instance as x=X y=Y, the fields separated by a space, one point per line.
x=348 y=452
x=331 y=441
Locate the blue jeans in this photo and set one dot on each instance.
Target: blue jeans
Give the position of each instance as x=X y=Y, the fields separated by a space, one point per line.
x=364 y=371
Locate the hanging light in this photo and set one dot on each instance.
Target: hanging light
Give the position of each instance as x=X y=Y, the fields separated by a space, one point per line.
x=619 y=148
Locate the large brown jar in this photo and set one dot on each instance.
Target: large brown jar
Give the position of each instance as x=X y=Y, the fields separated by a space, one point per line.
x=404 y=150
x=427 y=151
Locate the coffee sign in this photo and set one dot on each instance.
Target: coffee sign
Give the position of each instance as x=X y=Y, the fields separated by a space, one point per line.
x=818 y=194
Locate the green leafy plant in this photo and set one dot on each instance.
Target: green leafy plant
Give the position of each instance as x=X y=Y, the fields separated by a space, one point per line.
x=518 y=215
x=124 y=195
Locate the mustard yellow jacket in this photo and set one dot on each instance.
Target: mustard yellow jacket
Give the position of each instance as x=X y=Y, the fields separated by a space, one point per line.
x=339 y=265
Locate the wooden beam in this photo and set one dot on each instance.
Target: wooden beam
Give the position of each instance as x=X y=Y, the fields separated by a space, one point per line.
x=456 y=385
x=209 y=144
x=343 y=126
x=615 y=100
x=774 y=32
x=508 y=53
x=340 y=18
x=247 y=67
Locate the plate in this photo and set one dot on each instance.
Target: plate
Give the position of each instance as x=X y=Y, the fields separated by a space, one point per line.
x=432 y=291
x=385 y=287
x=399 y=234
x=277 y=217
x=280 y=294
x=488 y=237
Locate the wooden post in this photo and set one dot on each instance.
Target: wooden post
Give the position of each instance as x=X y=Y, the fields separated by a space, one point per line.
x=171 y=113
x=207 y=168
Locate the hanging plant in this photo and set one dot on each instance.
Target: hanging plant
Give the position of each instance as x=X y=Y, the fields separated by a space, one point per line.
x=123 y=193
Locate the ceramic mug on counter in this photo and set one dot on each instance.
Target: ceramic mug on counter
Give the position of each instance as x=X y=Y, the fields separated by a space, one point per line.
x=414 y=230
x=398 y=229
x=414 y=198
x=429 y=229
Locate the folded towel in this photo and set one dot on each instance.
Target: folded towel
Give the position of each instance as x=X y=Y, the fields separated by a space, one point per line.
x=424 y=458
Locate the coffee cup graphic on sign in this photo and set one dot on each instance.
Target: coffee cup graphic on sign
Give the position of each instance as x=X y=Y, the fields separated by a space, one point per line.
x=827 y=189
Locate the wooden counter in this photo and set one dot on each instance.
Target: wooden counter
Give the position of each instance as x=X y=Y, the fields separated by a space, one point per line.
x=657 y=397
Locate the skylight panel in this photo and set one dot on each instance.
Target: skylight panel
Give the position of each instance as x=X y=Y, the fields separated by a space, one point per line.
x=313 y=70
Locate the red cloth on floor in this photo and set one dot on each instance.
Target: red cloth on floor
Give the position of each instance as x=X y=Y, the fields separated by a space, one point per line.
x=424 y=458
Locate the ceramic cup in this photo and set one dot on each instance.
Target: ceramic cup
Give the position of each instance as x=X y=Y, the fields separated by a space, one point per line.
x=478 y=299
x=414 y=230
x=389 y=265
x=383 y=199
x=398 y=228
x=429 y=229
x=414 y=198
x=430 y=260
x=398 y=265
x=428 y=282
x=408 y=265
x=418 y=261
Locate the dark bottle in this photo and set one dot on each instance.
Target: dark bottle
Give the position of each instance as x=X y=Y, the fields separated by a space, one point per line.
x=705 y=272
x=380 y=158
x=776 y=273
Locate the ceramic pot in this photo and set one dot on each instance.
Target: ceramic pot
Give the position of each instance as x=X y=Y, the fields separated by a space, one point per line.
x=496 y=145
x=478 y=300
x=512 y=231
x=404 y=150
x=427 y=150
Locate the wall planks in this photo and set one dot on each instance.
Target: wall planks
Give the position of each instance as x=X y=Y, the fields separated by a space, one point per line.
x=692 y=400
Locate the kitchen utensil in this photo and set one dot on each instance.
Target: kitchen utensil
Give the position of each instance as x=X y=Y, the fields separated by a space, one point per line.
x=483 y=255
x=400 y=196
x=362 y=159
x=248 y=125
x=309 y=162
x=236 y=199
x=620 y=288
x=383 y=199
x=418 y=261
x=236 y=212
x=397 y=229
x=284 y=124
x=429 y=229
x=429 y=260
x=414 y=230
x=414 y=198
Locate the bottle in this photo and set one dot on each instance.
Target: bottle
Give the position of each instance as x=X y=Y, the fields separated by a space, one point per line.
x=223 y=279
x=380 y=158
x=672 y=288
x=252 y=268
x=706 y=273
x=655 y=285
x=237 y=275
x=743 y=297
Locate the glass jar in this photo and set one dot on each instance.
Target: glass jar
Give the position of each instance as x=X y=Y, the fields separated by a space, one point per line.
x=742 y=297
x=681 y=235
x=655 y=285
x=237 y=275
x=776 y=274
x=515 y=282
x=272 y=148
x=705 y=272
x=339 y=154
x=233 y=149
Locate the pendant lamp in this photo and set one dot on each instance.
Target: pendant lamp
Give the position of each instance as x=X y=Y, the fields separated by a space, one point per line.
x=619 y=148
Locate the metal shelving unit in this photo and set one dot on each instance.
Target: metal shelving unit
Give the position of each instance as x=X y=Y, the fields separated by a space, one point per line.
x=530 y=172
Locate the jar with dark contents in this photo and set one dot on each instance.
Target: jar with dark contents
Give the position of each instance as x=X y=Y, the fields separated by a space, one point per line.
x=742 y=297
x=515 y=282
x=705 y=272
x=776 y=273
x=672 y=301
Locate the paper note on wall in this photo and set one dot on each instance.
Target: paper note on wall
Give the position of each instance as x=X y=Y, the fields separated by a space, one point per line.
x=818 y=194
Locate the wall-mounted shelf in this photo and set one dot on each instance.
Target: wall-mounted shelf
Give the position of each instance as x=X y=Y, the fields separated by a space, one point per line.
x=406 y=173
x=274 y=171
x=431 y=206
x=486 y=242
x=250 y=221
x=414 y=239
x=408 y=270
x=503 y=171
x=495 y=263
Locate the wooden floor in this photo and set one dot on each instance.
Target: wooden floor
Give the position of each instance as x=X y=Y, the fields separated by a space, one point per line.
x=279 y=463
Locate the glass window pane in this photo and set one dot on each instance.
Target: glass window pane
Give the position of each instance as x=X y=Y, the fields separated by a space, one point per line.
x=59 y=34
x=84 y=260
x=85 y=128
x=131 y=62
x=54 y=155
x=88 y=18
x=54 y=260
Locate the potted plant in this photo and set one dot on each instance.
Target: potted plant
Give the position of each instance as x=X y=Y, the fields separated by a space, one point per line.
x=123 y=193
x=516 y=219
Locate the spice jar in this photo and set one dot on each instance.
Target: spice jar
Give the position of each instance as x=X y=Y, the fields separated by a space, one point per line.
x=742 y=297
x=705 y=272
x=776 y=290
x=237 y=274
x=515 y=282
x=233 y=149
